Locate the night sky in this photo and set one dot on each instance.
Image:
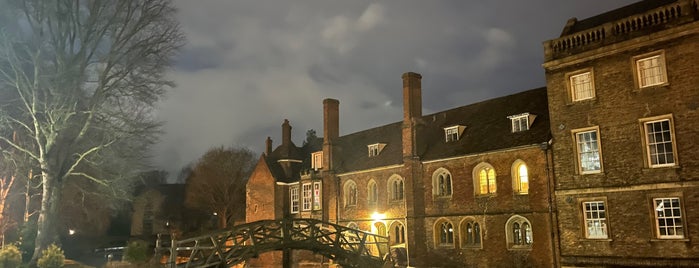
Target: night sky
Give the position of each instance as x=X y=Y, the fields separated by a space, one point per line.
x=250 y=64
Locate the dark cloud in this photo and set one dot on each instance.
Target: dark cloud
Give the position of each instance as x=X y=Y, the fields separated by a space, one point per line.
x=249 y=64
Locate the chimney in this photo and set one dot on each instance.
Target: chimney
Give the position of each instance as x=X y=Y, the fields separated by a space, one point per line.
x=268 y=146
x=412 y=96
x=331 y=120
x=286 y=133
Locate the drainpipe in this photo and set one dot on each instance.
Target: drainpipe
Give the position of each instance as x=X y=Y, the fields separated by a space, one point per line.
x=545 y=146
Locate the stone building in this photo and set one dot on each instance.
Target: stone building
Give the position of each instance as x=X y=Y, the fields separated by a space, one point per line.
x=623 y=91
x=463 y=187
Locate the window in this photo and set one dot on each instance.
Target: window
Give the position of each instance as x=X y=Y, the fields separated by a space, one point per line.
x=445 y=234
x=317 y=160
x=519 y=234
x=395 y=186
x=307 y=196
x=650 y=69
x=660 y=148
x=582 y=85
x=317 y=196
x=350 y=193
x=372 y=192
x=520 y=122
x=441 y=183
x=595 y=220
x=373 y=150
x=588 y=151
x=471 y=234
x=397 y=235
x=484 y=176
x=453 y=133
x=520 y=177
x=294 y=194
x=668 y=218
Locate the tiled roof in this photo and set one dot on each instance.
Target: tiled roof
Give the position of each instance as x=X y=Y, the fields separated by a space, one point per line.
x=487 y=129
x=616 y=14
x=291 y=151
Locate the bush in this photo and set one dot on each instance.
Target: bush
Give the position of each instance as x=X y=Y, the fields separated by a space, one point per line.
x=10 y=257
x=52 y=257
x=136 y=252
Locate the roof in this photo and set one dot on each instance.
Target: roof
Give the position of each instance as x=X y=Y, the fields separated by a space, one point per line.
x=487 y=128
x=290 y=151
x=614 y=15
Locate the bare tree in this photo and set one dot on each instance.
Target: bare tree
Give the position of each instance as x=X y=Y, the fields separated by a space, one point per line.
x=80 y=79
x=217 y=183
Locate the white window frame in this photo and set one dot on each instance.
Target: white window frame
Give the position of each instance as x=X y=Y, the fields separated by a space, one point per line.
x=520 y=123
x=649 y=146
x=580 y=153
x=373 y=149
x=517 y=183
x=581 y=85
x=449 y=236
x=442 y=189
x=317 y=195
x=396 y=188
x=517 y=235
x=595 y=219
x=655 y=67
x=491 y=188
x=471 y=238
x=294 y=196
x=372 y=192
x=451 y=134
x=350 y=195
x=307 y=192
x=669 y=215
x=317 y=160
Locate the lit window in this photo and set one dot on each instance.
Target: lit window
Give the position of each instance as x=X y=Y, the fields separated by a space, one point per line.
x=307 y=196
x=471 y=234
x=519 y=233
x=373 y=150
x=373 y=192
x=350 y=194
x=485 y=179
x=668 y=218
x=660 y=148
x=588 y=151
x=521 y=177
x=294 y=193
x=441 y=183
x=395 y=186
x=317 y=197
x=317 y=160
x=595 y=220
x=445 y=234
x=650 y=70
x=582 y=86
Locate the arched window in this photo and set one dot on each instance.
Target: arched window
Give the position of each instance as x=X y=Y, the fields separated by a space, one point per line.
x=484 y=179
x=350 y=193
x=380 y=229
x=470 y=233
x=395 y=188
x=444 y=233
x=520 y=177
x=441 y=183
x=397 y=233
x=372 y=192
x=519 y=233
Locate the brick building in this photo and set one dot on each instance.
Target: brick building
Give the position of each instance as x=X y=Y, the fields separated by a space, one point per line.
x=462 y=187
x=623 y=92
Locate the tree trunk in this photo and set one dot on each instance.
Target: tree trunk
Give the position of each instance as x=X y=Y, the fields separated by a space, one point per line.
x=46 y=225
x=222 y=219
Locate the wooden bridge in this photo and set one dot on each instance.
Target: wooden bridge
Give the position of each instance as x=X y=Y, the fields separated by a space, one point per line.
x=225 y=248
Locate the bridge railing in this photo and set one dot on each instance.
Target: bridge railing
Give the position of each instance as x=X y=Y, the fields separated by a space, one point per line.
x=346 y=246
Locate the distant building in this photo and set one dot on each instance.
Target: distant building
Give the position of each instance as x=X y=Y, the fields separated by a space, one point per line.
x=623 y=92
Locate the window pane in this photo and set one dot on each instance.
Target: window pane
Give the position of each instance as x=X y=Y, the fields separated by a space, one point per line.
x=595 y=220
x=668 y=217
x=581 y=86
x=588 y=151
x=659 y=139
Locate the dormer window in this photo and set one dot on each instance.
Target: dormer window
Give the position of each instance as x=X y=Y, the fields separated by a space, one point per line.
x=375 y=149
x=317 y=160
x=521 y=122
x=453 y=133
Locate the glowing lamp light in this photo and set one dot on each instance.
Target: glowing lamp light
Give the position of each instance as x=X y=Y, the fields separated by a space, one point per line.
x=378 y=216
x=71 y=232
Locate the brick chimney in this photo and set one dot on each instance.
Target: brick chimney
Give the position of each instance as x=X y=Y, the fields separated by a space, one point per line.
x=286 y=133
x=331 y=119
x=268 y=146
x=331 y=130
x=412 y=96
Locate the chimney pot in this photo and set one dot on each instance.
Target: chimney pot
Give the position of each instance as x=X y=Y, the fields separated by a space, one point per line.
x=286 y=132
x=268 y=146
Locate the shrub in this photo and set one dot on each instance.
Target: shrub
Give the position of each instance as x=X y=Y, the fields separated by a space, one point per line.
x=10 y=257
x=136 y=251
x=52 y=257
